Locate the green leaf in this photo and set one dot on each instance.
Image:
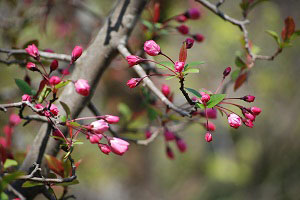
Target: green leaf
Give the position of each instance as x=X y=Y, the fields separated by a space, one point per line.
x=9 y=163
x=62 y=84
x=10 y=177
x=215 y=99
x=158 y=25
x=125 y=111
x=74 y=182
x=235 y=74
x=199 y=105
x=297 y=33
x=78 y=142
x=63 y=118
x=193 y=70
x=43 y=95
x=3 y=196
x=166 y=63
x=24 y=87
x=66 y=108
x=148 y=24
x=239 y=62
x=195 y=64
x=274 y=35
x=170 y=77
x=74 y=124
x=152 y=114
x=194 y=92
x=28 y=184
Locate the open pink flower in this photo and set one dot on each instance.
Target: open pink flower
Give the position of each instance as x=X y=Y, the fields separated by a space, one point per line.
x=118 y=146
x=234 y=120
x=82 y=87
x=33 y=51
x=151 y=48
x=99 y=126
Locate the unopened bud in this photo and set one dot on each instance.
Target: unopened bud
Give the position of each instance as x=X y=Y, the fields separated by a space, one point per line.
x=227 y=71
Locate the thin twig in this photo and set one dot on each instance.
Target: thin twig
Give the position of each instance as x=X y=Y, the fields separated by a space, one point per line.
x=139 y=70
x=13 y=190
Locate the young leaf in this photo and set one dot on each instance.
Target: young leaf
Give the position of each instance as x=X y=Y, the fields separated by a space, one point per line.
x=199 y=105
x=23 y=86
x=152 y=114
x=239 y=62
x=125 y=111
x=235 y=74
x=9 y=163
x=195 y=64
x=45 y=92
x=62 y=84
x=74 y=124
x=156 y=12
x=183 y=53
x=274 y=35
x=240 y=80
x=66 y=108
x=30 y=184
x=215 y=99
x=63 y=118
x=288 y=29
x=148 y=24
x=55 y=165
x=191 y=71
x=194 y=92
x=166 y=63
x=170 y=77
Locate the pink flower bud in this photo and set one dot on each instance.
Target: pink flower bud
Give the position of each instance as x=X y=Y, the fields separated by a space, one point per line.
x=193 y=13
x=211 y=113
x=151 y=48
x=208 y=137
x=111 y=119
x=170 y=153
x=179 y=66
x=53 y=65
x=181 y=18
x=65 y=72
x=189 y=43
x=205 y=97
x=104 y=148
x=255 y=110
x=39 y=106
x=148 y=134
x=211 y=126
x=198 y=37
x=133 y=60
x=14 y=119
x=234 y=120
x=82 y=87
x=33 y=51
x=49 y=50
x=181 y=145
x=31 y=66
x=249 y=98
x=132 y=83
x=57 y=133
x=99 y=126
x=165 y=89
x=95 y=138
x=118 y=146
x=249 y=116
x=183 y=29
x=248 y=123
x=169 y=135
x=227 y=71
x=26 y=97
x=3 y=142
x=8 y=130
x=76 y=53
x=54 y=80
x=53 y=109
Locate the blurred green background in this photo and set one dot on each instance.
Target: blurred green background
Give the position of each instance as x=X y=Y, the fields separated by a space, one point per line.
x=258 y=163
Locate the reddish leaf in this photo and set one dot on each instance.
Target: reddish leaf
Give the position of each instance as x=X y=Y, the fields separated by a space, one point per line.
x=41 y=87
x=55 y=165
x=288 y=29
x=156 y=12
x=183 y=53
x=240 y=81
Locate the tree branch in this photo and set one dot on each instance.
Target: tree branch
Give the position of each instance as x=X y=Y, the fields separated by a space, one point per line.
x=139 y=70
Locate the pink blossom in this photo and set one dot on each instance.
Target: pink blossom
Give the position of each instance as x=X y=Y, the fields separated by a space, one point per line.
x=255 y=110
x=170 y=153
x=104 y=148
x=181 y=145
x=179 y=66
x=148 y=134
x=249 y=116
x=54 y=80
x=14 y=119
x=249 y=98
x=133 y=82
x=234 y=120
x=165 y=90
x=3 y=142
x=65 y=72
x=33 y=51
x=31 y=66
x=181 y=18
x=226 y=72
x=208 y=137
x=54 y=65
x=151 y=48
x=189 y=43
x=193 y=13
x=99 y=126
x=211 y=126
x=183 y=29
x=205 y=97
x=26 y=97
x=169 y=135
x=8 y=130
x=133 y=60
x=39 y=106
x=76 y=53
x=111 y=119
x=95 y=138
x=82 y=87
x=211 y=113
x=54 y=110
x=119 y=146
x=248 y=123
x=198 y=37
